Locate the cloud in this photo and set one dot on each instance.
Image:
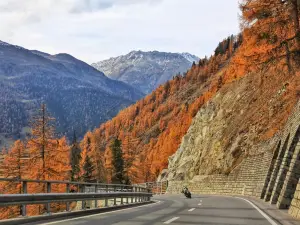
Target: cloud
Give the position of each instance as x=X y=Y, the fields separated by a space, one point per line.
x=95 y=5
x=95 y=30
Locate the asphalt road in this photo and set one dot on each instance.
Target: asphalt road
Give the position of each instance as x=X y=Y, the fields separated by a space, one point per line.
x=176 y=209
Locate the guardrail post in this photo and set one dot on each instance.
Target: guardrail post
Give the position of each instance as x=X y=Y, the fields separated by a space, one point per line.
x=161 y=188
x=68 y=203
x=140 y=197
x=48 y=206
x=24 y=187
x=132 y=190
x=121 y=195
x=83 y=202
x=106 y=199
x=127 y=200
x=96 y=201
x=115 y=199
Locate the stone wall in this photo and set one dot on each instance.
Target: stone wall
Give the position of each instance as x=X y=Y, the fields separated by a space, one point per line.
x=295 y=205
x=272 y=174
x=247 y=179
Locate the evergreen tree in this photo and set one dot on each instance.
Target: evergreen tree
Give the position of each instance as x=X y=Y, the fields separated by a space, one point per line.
x=75 y=159
x=118 y=162
x=88 y=169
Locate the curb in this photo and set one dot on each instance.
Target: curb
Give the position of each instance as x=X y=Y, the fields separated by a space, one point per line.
x=70 y=214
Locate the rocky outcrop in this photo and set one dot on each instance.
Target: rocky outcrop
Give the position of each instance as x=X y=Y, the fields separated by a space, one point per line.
x=238 y=122
x=269 y=170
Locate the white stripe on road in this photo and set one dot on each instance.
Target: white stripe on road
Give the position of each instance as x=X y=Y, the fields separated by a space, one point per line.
x=200 y=204
x=192 y=209
x=200 y=200
x=98 y=214
x=260 y=211
x=171 y=220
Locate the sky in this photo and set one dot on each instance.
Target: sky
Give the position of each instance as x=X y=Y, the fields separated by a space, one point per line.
x=94 y=30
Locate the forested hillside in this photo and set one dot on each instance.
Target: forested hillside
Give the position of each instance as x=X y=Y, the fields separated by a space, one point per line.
x=78 y=96
x=153 y=127
x=266 y=53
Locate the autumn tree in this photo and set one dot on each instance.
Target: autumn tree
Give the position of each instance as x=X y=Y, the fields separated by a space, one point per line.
x=42 y=157
x=49 y=157
x=41 y=142
x=272 y=29
x=13 y=166
x=14 y=163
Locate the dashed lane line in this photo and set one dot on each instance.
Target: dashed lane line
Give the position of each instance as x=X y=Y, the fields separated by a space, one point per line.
x=191 y=210
x=200 y=204
x=171 y=220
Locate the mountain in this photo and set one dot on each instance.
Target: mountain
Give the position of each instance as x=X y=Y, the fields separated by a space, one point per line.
x=146 y=70
x=76 y=94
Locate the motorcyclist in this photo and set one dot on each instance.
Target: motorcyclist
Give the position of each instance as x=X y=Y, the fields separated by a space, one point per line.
x=186 y=192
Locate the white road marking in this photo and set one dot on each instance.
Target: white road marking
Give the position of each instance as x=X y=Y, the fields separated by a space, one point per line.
x=191 y=210
x=200 y=204
x=200 y=200
x=260 y=211
x=82 y=217
x=171 y=220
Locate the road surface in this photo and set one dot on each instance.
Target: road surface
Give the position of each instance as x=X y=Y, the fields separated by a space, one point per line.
x=176 y=209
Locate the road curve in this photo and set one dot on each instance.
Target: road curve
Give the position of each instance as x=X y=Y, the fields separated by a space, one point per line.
x=176 y=209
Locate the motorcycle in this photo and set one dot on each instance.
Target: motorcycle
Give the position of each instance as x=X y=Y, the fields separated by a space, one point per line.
x=186 y=192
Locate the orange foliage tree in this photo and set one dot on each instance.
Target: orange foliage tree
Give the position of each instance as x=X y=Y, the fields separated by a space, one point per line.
x=41 y=157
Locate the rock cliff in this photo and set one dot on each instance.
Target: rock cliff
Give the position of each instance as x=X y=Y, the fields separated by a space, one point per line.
x=228 y=128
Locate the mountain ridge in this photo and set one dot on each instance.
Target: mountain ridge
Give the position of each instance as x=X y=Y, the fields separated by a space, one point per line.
x=30 y=77
x=146 y=70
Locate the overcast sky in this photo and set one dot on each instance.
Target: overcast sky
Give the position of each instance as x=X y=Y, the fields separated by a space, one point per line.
x=93 y=30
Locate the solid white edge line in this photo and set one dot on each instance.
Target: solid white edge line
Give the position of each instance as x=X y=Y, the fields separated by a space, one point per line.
x=171 y=220
x=82 y=217
x=192 y=209
x=260 y=211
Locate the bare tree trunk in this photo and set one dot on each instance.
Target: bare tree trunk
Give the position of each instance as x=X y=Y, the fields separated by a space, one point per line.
x=295 y=17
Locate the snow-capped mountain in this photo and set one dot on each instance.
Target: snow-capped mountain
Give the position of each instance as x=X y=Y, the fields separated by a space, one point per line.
x=77 y=95
x=190 y=57
x=146 y=70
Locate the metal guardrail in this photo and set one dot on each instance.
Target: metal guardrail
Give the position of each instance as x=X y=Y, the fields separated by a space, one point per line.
x=85 y=192
x=156 y=187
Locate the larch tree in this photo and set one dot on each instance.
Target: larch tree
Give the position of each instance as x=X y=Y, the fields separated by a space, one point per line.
x=49 y=157
x=14 y=163
x=14 y=166
x=272 y=26
x=41 y=142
